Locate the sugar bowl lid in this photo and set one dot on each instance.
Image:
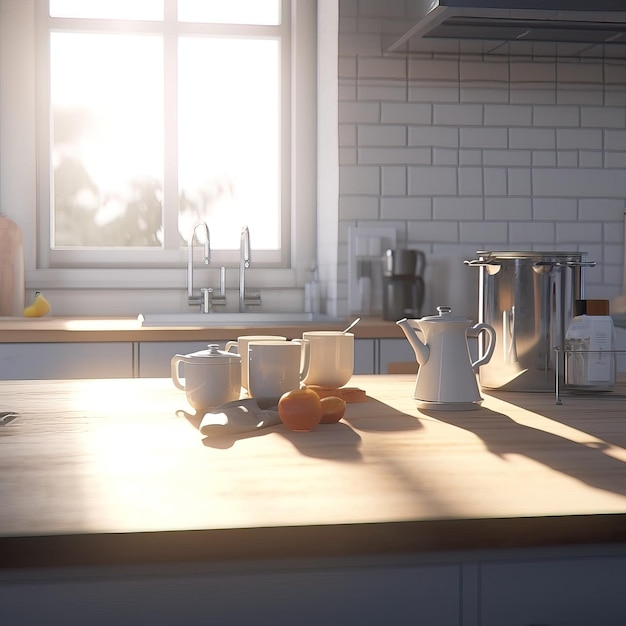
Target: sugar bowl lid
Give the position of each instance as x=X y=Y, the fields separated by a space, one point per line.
x=214 y=355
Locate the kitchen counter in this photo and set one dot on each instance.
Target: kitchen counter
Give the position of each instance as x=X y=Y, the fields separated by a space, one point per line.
x=117 y=472
x=68 y=330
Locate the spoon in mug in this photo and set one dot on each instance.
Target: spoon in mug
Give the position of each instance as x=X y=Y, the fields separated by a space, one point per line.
x=356 y=321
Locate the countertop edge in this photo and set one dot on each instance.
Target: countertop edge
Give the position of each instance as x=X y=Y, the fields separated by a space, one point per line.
x=303 y=542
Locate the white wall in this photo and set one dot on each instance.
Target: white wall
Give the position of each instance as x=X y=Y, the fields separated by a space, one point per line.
x=464 y=153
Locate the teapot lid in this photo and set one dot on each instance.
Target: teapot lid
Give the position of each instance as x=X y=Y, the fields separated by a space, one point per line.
x=445 y=315
x=214 y=353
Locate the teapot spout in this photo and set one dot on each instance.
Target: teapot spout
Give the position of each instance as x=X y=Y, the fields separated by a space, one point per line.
x=422 y=351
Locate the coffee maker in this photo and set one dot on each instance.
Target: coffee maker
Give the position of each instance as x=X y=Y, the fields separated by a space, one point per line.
x=403 y=283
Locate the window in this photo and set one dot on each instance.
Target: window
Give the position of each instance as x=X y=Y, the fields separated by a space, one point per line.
x=157 y=115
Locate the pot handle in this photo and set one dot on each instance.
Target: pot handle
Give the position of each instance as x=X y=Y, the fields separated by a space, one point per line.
x=474 y=331
x=481 y=263
x=578 y=264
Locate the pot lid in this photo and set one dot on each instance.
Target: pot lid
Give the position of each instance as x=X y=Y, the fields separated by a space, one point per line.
x=445 y=315
x=528 y=254
x=216 y=355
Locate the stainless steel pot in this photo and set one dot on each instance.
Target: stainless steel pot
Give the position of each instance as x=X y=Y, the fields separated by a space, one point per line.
x=528 y=298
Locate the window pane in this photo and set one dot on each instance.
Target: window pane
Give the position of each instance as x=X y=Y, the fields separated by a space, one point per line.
x=229 y=138
x=107 y=134
x=263 y=12
x=108 y=9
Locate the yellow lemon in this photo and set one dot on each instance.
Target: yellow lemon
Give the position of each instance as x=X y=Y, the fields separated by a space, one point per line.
x=38 y=308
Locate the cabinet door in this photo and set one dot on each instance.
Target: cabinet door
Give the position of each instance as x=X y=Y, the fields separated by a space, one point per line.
x=397 y=357
x=155 y=356
x=402 y=596
x=364 y=356
x=563 y=592
x=40 y=361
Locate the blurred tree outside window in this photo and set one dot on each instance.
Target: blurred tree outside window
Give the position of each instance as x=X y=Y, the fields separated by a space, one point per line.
x=164 y=113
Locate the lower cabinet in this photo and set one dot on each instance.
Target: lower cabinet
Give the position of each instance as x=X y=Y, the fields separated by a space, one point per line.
x=554 y=592
x=40 y=361
x=151 y=359
x=364 y=595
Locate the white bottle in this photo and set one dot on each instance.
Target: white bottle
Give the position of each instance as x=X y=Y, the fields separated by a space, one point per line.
x=590 y=353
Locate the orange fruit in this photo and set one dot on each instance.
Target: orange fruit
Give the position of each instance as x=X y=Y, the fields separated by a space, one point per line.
x=333 y=409
x=300 y=409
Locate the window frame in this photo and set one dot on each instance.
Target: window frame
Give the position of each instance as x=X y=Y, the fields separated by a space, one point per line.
x=299 y=195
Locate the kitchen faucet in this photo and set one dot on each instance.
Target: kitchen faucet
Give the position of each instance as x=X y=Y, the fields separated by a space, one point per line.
x=244 y=264
x=205 y=297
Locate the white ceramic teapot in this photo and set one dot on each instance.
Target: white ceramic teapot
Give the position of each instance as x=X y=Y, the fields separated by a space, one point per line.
x=446 y=379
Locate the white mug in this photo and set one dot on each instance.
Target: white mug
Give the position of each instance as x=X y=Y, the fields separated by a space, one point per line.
x=273 y=368
x=329 y=358
x=241 y=346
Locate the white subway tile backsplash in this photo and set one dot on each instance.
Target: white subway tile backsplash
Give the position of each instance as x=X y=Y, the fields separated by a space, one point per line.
x=394 y=180
x=567 y=158
x=484 y=234
x=543 y=158
x=495 y=181
x=543 y=95
x=476 y=93
x=603 y=209
x=432 y=231
x=395 y=156
x=578 y=95
x=615 y=160
x=458 y=208
x=439 y=136
x=359 y=112
x=438 y=70
x=405 y=113
x=470 y=181
x=529 y=72
x=578 y=139
x=508 y=115
x=505 y=158
x=405 y=208
x=528 y=234
x=590 y=158
x=578 y=183
x=519 y=182
x=433 y=181
x=614 y=140
x=382 y=92
x=372 y=67
x=579 y=233
x=532 y=138
x=458 y=114
x=603 y=117
x=375 y=135
x=433 y=93
x=445 y=156
x=496 y=70
x=556 y=116
x=483 y=137
x=470 y=157
x=358 y=207
x=574 y=71
x=460 y=153
x=508 y=208
x=359 y=180
x=554 y=209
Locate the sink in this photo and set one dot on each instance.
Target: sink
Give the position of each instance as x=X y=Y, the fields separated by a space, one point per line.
x=236 y=319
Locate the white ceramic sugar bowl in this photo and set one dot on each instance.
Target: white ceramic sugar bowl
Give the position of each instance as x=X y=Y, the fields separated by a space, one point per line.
x=211 y=377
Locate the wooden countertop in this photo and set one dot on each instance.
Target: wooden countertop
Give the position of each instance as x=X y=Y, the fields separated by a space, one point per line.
x=64 y=329
x=116 y=471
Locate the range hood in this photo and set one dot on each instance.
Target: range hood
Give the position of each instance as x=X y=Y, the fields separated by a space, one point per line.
x=595 y=28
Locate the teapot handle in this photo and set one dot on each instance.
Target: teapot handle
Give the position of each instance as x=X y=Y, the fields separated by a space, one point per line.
x=474 y=331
